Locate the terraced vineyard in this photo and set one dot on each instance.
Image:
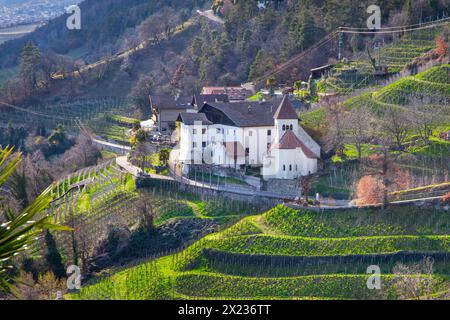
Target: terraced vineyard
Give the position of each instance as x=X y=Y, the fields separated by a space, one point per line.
x=291 y=254
x=64 y=113
x=96 y=198
x=358 y=73
x=112 y=127
x=412 y=45
x=431 y=85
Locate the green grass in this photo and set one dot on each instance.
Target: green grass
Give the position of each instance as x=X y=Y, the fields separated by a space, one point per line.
x=440 y=74
x=194 y=274
x=124 y=120
x=401 y=91
x=112 y=127
x=436 y=147
x=307 y=246
x=215 y=179
x=257 y=97
x=335 y=286
x=181 y=211
x=357 y=222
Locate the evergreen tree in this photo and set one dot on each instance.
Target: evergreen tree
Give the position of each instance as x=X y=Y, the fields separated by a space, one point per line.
x=408 y=10
x=262 y=64
x=29 y=66
x=53 y=257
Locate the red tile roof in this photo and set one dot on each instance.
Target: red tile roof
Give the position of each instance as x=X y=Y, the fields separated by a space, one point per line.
x=290 y=141
x=285 y=110
x=234 y=148
x=233 y=93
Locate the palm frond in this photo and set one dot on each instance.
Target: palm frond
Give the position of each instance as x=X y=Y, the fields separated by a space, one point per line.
x=20 y=234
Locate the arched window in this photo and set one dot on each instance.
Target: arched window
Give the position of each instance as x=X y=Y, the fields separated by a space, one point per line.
x=284 y=167
x=290 y=167
x=291 y=127
x=284 y=127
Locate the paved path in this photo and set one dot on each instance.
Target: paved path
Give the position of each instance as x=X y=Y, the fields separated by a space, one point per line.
x=209 y=14
x=135 y=171
x=325 y=203
x=111 y=145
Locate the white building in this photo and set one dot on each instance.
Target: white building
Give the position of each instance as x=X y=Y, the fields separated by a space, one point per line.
x=239 y=134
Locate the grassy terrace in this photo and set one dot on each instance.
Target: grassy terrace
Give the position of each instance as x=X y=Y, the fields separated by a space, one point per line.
x=263 y=256
x=397 y=95
x=113 y=127
x=395 y=56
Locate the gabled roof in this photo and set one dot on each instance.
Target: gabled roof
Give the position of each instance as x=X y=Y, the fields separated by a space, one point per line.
x=242 y=114
x=290 y=141
x=189 y=118
x=234 y=93
x=285 y=110
x=168 y=102
x=234 y=148
x=201 y=99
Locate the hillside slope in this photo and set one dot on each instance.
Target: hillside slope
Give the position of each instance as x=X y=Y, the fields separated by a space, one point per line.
x=431 y=86
x=292 y=254
x=250 y=42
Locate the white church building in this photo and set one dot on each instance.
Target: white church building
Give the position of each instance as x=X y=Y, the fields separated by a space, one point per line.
x=239 y=134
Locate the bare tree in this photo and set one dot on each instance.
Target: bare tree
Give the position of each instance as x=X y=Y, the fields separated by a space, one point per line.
x=396 y=124
x=335 y=119
x=386 y=176
x=358 y=127
x=145 y=207
x=414 y=281
x=425 y=113
x=304 y=184
x=141 y=153
x=82 y=154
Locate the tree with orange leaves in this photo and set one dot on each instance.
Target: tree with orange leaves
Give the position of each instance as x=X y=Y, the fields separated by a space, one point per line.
x=382 y=175
x=441 y=46
x=446 y=198
x=370 y=190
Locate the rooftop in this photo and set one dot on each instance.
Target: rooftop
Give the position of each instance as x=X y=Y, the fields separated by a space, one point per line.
x=200 y=99
x=234 y=93
x=290 y=141
x=168 y=102
x=242 y=114
x=189 y=118
x=285 y=110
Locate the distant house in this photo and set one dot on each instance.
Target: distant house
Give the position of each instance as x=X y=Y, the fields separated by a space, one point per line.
x=255 y=134
x=233 y=93
x=198 y=100
x=317 y=73
x=165 y=110
x=445 y=135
